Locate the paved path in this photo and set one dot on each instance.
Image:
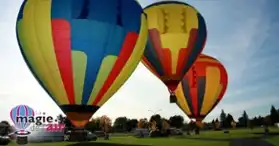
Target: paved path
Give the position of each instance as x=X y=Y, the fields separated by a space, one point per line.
x=208 y=139
x=249 y=142
x=256 y=141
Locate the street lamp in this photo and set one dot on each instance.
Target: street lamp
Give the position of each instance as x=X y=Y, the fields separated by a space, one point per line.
x=155 y=112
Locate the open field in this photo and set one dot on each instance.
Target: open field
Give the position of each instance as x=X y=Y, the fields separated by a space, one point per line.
x=206 y=138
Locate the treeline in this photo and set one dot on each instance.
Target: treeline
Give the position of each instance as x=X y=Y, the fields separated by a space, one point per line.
x=225 y=120
x=124 y=124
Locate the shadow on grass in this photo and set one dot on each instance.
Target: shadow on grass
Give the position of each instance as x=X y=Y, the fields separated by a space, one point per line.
x=203 y=138
x=101 y=144
x=269 y=134
x=249 y=142
x=257 y=136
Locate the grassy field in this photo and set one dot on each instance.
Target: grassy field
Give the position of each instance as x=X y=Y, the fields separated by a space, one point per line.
x=206 y=138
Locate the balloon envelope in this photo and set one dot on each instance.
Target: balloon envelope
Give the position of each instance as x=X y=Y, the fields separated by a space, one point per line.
x=81 y=51
x=177 y=35
x=202 y=87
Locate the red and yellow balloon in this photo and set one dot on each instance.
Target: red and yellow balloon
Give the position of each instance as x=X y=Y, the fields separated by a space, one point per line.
x=177 y=35
x=202 y=88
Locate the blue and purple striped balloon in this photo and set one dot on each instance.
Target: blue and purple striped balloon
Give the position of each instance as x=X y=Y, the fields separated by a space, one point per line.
x=23 y=111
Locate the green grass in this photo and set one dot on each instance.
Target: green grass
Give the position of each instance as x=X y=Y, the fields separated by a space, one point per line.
x=131 y=141
x=217 y=138
x=234 y=133
x=274 y=140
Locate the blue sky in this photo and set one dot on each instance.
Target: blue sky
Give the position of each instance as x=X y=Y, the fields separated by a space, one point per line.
x=243 y=35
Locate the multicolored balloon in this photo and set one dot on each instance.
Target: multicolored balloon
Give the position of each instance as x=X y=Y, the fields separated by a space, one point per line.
x=19 y=116
x=177 y=35
x=81 y=51
x=202 y=87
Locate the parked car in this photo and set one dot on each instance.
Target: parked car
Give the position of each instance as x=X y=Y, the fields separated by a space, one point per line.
x=88 y=136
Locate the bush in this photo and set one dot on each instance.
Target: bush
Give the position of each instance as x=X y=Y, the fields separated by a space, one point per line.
x=4 y=141
x=226 y=132
x=155 y=134
x=166 y=133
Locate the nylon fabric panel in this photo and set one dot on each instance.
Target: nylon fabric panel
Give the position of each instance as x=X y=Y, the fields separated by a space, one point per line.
x=39 y=47
x=181 y=100
x=212 y=87
x=131 y=64
x=104 y=72
x=201 y=92
x=79 y=60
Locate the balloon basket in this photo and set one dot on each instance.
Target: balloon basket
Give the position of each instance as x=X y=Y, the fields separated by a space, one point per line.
x=21 y=140
x=173 y=99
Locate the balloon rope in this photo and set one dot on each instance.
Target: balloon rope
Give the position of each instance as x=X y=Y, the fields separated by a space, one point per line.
x=165 y=21
x=171 y=92
x=194 y=77
x=184 y=20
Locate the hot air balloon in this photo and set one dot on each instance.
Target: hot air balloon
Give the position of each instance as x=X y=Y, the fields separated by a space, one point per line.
x=81 y=51
x=177 y=35
x=202 y=88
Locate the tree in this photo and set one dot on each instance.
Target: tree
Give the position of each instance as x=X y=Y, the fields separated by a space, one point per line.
x=105 y=123
x=213 y=124
x=192 y=125
x=257 y=121
x=185 y=127
x=131 y=124
x=240 y=122
x=244 y=120
x=254 y=122
x=153 y=126
x=165 y=126
x=120 y=124
x=274 y=115
x=229 y=120
x=233 y=124
x=93 y=125
x=260 y=121
x=213 y=121
x=267 y=120
x=143 y=123
x=223 y=118
x=217 y=124
x=156 y=118
x=176 y=121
